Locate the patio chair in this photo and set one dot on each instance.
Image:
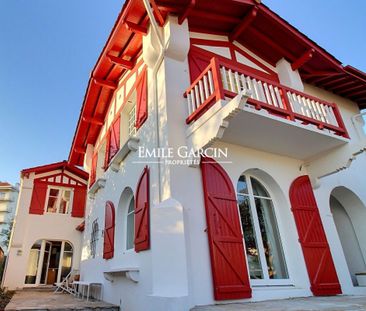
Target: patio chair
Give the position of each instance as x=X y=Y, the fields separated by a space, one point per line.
x=66 y=285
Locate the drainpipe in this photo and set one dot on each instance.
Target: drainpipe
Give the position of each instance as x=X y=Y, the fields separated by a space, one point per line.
x=159 y=61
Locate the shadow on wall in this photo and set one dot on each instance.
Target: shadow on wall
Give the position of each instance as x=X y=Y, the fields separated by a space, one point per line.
x=349 y=214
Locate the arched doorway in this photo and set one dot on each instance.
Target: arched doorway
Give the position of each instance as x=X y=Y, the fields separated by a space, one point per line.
x=49 y=262
x=349 y=214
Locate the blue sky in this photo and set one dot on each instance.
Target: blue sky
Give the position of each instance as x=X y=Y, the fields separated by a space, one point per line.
x=48 y=49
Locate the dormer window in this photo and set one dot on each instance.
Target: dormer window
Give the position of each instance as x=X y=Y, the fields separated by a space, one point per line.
x=58 y=200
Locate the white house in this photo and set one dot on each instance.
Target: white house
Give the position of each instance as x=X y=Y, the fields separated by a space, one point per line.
x=46 y=237
x=8 y=203
x=226 y=160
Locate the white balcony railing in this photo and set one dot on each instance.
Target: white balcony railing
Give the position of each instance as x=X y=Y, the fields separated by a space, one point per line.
x=222 y=80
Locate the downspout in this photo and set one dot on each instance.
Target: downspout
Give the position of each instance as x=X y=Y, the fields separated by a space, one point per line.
x=159 y=61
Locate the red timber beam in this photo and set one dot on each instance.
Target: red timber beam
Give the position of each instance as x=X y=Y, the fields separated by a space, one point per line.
x=127 y=64
x=94 y=121
x=215 y=16
x=344 y=86
x=247 y=20
x=79 y=150
x=320 y=74
x=142 y=30
x=105 y=83
x=186 y=11
x=157 y=13
x=303 y=59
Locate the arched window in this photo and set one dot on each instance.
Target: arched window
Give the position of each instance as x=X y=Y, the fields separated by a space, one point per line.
x=262 y=240
x=130 y=228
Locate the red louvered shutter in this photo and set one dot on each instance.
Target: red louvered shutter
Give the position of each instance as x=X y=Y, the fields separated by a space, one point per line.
x=141 y=105
x=93 y=171
x=319 y=263
x=78 y=205
x=38 y=198
x=142 y=211
x=114 y=139
x=198 y=62
x=109 y=223
x=228 y=260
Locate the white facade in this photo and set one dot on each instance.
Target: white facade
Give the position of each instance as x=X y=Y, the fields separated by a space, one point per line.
x=8 y=203
x=175 y=273
x=34 y=234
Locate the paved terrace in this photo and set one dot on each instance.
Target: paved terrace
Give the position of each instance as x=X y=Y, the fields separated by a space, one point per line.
x=339 y=303
x=46 y=300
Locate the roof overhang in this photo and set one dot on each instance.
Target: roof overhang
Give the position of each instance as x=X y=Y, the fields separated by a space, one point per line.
x=249 y=22
x=64 y=165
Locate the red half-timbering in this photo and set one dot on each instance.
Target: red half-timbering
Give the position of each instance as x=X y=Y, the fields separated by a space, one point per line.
x=142 y=212
x=318 y=258
x=60 y=174
x=228 y=262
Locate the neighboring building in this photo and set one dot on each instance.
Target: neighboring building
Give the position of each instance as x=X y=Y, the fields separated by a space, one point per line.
x=45 y=243
x=281 y=216
x=8 y=203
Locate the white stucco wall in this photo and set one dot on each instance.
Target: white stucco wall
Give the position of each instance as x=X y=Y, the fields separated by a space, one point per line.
x=28 y=228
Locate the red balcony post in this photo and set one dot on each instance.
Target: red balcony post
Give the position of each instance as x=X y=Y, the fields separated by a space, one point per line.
x=287 y=103
x=339 y=119
x=216 y=75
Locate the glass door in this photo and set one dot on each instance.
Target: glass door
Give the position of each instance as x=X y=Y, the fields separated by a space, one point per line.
x=46 y=262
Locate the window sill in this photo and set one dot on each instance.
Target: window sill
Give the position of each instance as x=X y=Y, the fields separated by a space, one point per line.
x=98 y=184
x=131 y=273
x=130 y=145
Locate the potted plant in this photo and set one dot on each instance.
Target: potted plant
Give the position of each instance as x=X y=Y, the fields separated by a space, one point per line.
x=361 y=278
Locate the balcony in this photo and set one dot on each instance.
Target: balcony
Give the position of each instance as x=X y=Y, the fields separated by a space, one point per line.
x=227 y=103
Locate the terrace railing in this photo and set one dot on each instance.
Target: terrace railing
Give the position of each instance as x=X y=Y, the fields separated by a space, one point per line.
x=223 y=79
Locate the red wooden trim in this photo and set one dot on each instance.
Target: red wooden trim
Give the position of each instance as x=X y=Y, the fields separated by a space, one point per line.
x=94 y=120
x=340 y=122
x=215 y=17
x=303 y=59
x=195 y=82
x=121 y=62
x=186 y=11
x=79 y=150
x=216 y=76
x=105 y=83
x=202 y=108
x=157 y=13
x=237 y=65
x=142 y=30
x=247 y=20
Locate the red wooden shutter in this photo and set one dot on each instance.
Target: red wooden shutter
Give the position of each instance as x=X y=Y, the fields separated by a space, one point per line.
x=197 y=63
x=142 y=211
x=93 y=171
x=114 y=139
x=228 y=260
x=141 y=105
x=78 y=205
x=38 y=200
x=318 y=259
x=108 y=250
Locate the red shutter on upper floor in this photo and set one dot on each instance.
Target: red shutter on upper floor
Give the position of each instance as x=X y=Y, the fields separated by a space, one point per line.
x=114 y=140
x=319 y=262
x=228 y=260
x=109 y=224
x=93 y=171
x=197 y=62
x=141 y=101
x=79 y=199
x=38 y=200
x=142 y=211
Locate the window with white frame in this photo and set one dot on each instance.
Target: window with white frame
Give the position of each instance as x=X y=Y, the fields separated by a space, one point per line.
x=94 y=238
x=130 y=228
x=132 y=121
x=59 y=200
x=262 y=239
